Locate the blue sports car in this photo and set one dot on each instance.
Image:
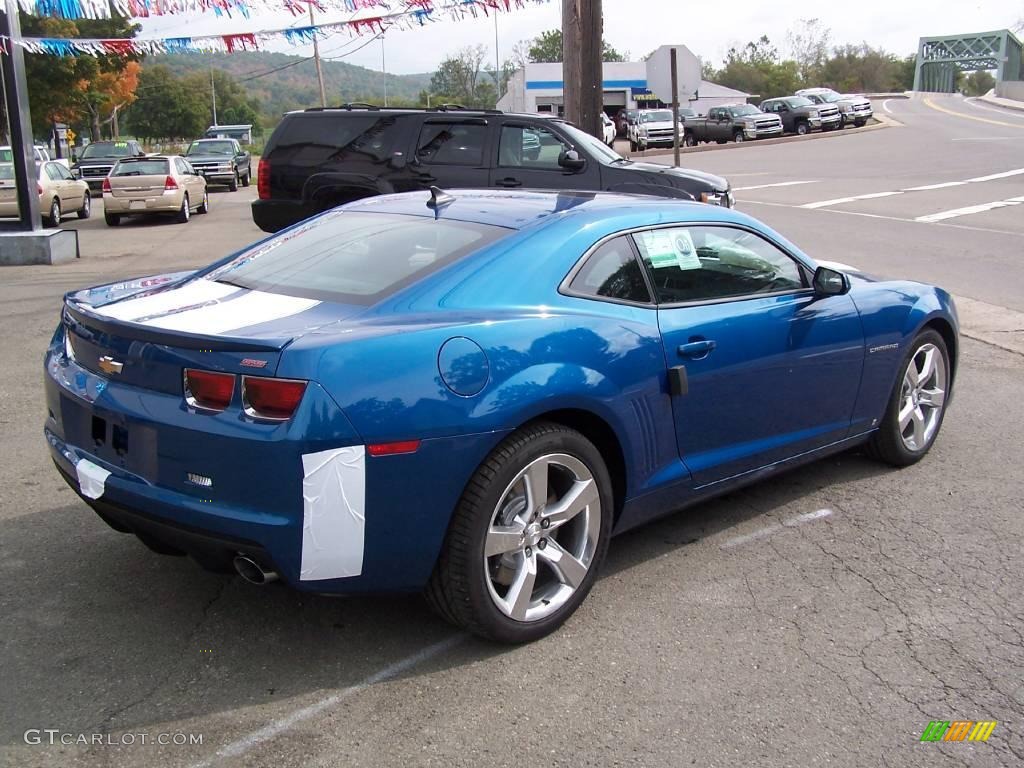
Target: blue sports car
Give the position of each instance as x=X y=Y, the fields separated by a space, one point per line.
x=468 y=394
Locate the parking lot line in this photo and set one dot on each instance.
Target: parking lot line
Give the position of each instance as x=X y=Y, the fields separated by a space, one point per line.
x=939 y=185
x=778 y=184
x=942 y=185
x=286 y=723
x=838 y=200
x=968 y=210
x=768 y=530
x=994 y=176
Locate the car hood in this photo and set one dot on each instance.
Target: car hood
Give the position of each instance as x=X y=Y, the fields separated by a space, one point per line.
x=717 y=182
x=203 y=158
x=99 y=159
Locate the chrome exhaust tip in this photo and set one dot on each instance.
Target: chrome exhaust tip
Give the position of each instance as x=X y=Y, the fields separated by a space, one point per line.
x=253 y=572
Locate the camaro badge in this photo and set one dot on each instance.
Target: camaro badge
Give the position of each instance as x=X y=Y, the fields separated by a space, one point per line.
x=110 y=365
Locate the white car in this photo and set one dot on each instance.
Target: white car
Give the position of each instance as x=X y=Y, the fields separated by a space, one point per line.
x=608 y=130
x=854 y=109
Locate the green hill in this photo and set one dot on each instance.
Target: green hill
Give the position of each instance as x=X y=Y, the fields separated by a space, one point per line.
x=282 y=82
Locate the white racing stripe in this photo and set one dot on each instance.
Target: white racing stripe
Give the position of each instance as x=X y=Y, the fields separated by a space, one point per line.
x=838 y=200
x=968 y=210
x=193 y=292
x=780 y=184
x=251 y=308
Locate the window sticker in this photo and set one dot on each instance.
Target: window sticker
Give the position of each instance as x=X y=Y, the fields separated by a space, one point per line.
x=670 y=248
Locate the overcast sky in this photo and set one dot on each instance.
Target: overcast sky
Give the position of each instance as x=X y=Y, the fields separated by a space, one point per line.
x=638 y=27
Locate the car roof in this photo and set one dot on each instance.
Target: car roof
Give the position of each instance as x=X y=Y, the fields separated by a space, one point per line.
x=524 y=209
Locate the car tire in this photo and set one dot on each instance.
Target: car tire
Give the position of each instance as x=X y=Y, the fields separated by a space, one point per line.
x=112 y=219
x=738 y=137
x=52 y=217
x=632 y=146
x=802 y=129
x=246 y=178
x=842 y=120
x=185 y=212
x=86 y=210
x=720 y=141
x=478 y=592
x=859 y=123
x=233 y=184
x=689 y=140
x=204 y=207
x=921 y=393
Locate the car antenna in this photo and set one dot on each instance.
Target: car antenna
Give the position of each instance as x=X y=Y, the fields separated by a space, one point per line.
x=439 y=198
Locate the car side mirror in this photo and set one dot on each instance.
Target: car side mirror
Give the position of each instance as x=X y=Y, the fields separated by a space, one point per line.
x=570 y=160
x=140 y=154
x=830 y=282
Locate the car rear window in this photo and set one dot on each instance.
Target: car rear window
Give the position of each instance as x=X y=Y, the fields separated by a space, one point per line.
x=140 y=168
x=355 y=257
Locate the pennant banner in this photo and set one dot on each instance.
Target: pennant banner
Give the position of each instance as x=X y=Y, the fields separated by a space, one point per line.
x=415 y=13
x=140 y=9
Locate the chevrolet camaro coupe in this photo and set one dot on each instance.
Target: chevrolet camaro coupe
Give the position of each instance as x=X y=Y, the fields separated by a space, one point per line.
x=468 y=394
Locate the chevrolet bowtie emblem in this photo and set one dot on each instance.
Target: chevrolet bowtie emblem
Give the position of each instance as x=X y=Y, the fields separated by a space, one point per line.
x=110 y=365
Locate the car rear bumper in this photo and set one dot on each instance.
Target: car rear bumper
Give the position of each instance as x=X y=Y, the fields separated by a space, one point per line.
x=161 y=203
x=275 y=215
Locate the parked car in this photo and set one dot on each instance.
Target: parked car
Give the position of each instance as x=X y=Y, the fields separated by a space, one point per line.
x=95 y=161
x=469 y=392
x=608 y=130
x=319 y=158
x=653 y=128
x=800 y=115
x=852 y=109
x=159 y=185
x=220 y=161
x=623 y=119
x=42 y=154
x=686 y=113
x=733 y=122
x=60 y=193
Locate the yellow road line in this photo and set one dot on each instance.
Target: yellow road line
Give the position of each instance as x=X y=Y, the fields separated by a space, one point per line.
x=928 y=102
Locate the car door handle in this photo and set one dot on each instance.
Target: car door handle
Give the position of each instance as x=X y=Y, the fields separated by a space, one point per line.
x=696 y=350
x=510 y=182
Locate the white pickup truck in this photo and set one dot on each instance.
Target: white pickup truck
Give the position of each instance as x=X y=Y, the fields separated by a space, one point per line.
x=652 y=127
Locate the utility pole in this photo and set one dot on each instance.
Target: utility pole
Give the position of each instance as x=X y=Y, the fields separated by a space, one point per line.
x=582 y=27
x=213 y=97
x=384 y=69
x=675 y=106
x=316 y=58
x=497 y=60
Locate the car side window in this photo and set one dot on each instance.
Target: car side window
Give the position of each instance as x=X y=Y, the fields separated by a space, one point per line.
x=65 y=174
x=529 y=147
x=451 y=143
x=706 y=263
x=52 y=172
x=182 y=166
x=612 y=272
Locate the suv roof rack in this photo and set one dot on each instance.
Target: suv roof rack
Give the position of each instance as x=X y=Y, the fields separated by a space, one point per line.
x=348 y=105
x=460 y=108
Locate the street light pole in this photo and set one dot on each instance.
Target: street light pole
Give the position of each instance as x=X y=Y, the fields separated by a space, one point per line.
x=213 y=97
x=384 y=69
x=316 y=58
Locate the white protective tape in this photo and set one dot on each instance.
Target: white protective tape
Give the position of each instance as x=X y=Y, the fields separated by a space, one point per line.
x=333 y=513
x=92 y=478
x=194 y=292
x=837 y=265
x=249 y=309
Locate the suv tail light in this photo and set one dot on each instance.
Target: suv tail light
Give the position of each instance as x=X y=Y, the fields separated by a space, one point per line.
x=170 y=185
x=106 y=185
x=208 y=390
x=263 y=179
x=267 y=398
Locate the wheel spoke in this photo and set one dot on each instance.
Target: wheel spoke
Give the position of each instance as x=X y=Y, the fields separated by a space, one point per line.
x=933 y=398
x=927 y=366
x=580 y=495
x=906 y=413
x=520 y=591
x=567 y=568
x=911 y=377
x=536 y=479
x=504 y=538
x=919 y=428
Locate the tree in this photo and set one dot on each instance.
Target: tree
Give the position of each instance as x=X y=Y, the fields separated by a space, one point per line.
x=979 y=83
x=457 y=79
x=547 y=47
x=234 y=105
x=859 y=68
x=808 y=44
x=166 y=107
x=757 y=69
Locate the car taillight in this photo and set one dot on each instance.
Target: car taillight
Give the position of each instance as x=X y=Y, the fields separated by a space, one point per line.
x=266 y=398
x=106 y=185
x=170 y=184
x=393 y=449
x=39 y=188
x=208 y=390
x=263 y=179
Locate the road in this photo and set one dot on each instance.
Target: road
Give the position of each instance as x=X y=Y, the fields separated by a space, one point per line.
x=821 y=618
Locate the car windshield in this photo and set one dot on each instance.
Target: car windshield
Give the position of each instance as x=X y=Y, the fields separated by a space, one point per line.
x=595 y=146
x=211 y=148
x=355 y=257
x=745 y=109
x=799 y=101
x=140 y=168
x=657 y=116
x=106 y=149
x=831 y=98
x=6 y=171
x=687 y=113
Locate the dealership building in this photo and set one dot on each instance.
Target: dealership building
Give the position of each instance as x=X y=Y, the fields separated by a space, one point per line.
x=626 y=85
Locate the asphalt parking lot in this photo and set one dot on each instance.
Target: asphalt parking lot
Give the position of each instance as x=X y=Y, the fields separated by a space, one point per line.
x=823 y=617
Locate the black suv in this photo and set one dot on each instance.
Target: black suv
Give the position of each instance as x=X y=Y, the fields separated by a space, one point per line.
x=320 y=158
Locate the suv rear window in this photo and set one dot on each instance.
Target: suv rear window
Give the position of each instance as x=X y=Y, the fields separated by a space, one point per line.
x=140 y=168
x=312 y=139
x=355 y=257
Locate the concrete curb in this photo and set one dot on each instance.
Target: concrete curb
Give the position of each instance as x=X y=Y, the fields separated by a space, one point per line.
x=996 y=101
x=882 y=122
x=991 y=324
